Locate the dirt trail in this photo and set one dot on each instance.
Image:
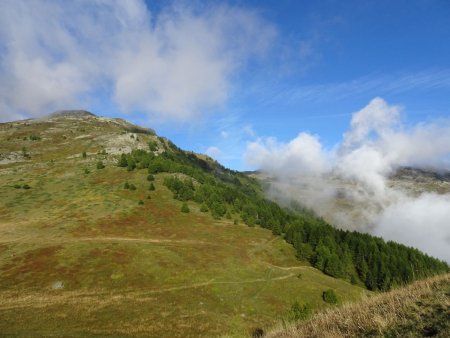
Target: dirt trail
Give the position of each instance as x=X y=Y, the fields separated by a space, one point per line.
x=213 y=281
x=141 y=240
x=11 y=299
x=62 y=240
x=287 y=268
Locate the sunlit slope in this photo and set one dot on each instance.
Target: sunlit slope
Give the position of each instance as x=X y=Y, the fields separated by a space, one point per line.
x=417 y=310
x=80 y=255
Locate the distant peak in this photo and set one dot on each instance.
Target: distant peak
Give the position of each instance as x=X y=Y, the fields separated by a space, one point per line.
x=71 y=113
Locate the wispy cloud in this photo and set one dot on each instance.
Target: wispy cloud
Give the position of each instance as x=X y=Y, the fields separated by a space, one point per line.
x=213 y=151
x=375 y=84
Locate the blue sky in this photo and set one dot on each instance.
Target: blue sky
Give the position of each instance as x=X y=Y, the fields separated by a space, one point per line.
x=214 y=76
x=340 y=56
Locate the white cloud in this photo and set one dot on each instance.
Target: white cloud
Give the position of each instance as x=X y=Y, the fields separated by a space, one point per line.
x=302 y=154
x=213 y=152
x=177 y=65
x=421 y=222
x=356 y=171
x=377 y=117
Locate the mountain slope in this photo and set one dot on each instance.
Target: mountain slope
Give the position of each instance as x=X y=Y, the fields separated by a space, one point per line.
x=94 y=240
x=418 y=310
x=80 y=256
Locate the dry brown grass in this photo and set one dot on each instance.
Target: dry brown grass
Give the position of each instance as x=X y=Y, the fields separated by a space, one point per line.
x=371 y=317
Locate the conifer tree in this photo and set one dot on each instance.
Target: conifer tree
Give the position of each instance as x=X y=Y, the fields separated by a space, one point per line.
x=100 y=165
x=185 y=208
x=122 y=161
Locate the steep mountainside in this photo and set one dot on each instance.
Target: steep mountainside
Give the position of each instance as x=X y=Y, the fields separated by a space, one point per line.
x=108 y=229
x=81 y=256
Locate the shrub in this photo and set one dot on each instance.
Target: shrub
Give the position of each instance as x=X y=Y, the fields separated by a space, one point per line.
x=257 y=333
x=329 y=296
x=126 y=185
x=17 y=186
x=204 y=208
x=86 y=171
x=131 y=165
x=122 y=161
x=300 y=312
x=218 y=209
x=150 y=178
x=26 y=187
x=84 y=155
x=141 y=202
x=132 y=186
x=185 y=208
x=152 y=145
x=151 y=187
x=25 y=153
x=100 y=165
x=35 y=138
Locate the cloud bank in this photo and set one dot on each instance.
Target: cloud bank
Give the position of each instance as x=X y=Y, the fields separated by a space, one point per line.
x=175 y=64
x=350 y=184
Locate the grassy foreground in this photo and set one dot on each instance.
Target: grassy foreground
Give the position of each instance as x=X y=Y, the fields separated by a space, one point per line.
x=81 y=256
x=421 y=309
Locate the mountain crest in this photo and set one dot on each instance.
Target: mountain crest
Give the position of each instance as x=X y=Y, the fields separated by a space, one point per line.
x=71 y=113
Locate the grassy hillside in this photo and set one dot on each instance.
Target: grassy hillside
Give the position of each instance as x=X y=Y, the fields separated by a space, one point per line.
x=108 y=229
x=419 y=310
x=359 y=258
x=82 y=256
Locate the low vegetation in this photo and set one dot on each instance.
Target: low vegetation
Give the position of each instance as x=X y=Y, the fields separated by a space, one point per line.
x=185 y=208
x=418 y=310
x=100 y=165
x=35 y=138
x=22 y=186
x=329 y=296
x=300 y=311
